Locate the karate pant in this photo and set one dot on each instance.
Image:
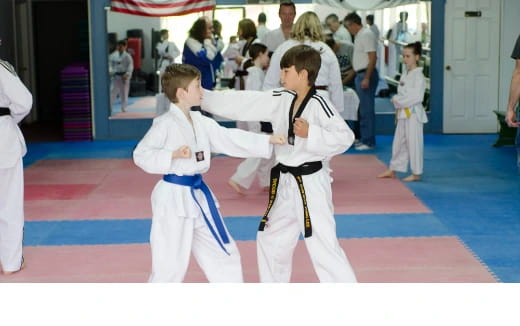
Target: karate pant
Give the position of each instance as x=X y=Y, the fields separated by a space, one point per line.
x=121 y=88
x=276 y=244
x=11 y=217
x=251 y=168
x=408 y=146
x=173 y=238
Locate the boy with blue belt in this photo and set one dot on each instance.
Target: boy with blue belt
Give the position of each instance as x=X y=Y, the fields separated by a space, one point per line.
x=185 y=212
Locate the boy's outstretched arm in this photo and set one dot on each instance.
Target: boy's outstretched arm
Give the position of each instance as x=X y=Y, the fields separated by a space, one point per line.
x=237 y=142
x=240 y=105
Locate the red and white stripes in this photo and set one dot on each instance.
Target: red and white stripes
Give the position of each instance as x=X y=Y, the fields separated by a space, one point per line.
x=159 y=8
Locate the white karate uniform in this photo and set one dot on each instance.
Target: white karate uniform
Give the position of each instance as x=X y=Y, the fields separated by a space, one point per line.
x=167 y=52
x=328 y=135
x=178 y=227
x=254 y=167
x=329 y=74
x=230 y=65
x=166 y=49
x=15 y=96
x=408 y=139
x=123 y=64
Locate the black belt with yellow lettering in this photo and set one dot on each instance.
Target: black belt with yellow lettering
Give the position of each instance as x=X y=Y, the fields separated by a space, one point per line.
x=297 y=172
x=5 y=111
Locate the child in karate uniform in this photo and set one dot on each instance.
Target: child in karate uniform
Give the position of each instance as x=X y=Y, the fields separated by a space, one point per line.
x=254 y=167
x=300 y=191
x=15 y=104
x=185 y=214
x=408 y=138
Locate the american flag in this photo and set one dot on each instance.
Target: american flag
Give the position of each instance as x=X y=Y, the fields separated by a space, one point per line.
x=159 y=8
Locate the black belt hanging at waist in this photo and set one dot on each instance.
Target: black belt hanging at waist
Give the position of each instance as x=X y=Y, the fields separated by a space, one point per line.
x=5 y=111
x=297 y=172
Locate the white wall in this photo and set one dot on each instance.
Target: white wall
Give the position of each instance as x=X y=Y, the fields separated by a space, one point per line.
x=119 y=23
x=509 y=31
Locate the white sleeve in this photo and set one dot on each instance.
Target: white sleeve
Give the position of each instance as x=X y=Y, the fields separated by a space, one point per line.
x=17 y=95
x=240 y=105
x=329 y=134
x=369 y=42
x=237 y=142
x=150 y=154
x=412 y=93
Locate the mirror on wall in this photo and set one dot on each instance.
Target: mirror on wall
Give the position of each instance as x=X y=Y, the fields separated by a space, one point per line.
x=143 y=34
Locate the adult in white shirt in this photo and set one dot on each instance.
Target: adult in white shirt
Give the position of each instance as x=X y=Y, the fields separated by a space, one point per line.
x=274 y=38
x=339 y=32
x=262 y=30
x=15 y=104
x=367 y=77
x=307 y=30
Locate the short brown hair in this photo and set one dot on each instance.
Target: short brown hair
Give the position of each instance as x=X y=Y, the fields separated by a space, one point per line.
x=177 y=76
x=303 y=57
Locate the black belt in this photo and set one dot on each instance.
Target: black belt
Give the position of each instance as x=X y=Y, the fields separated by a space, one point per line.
x=239 y=73
x=5 y=111
x=120 y=73
x=297 y=172
x=266 y=127
x=321 y=87
x=361 y=71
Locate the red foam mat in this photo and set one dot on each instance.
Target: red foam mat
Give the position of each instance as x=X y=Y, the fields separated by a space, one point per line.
x=116 y=188
x=421 y=260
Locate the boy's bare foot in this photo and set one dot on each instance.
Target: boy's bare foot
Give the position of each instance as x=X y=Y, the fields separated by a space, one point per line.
x=12 y=272
x=235 y=186
x=387 y=174
x=265 y=189
x=412 y=177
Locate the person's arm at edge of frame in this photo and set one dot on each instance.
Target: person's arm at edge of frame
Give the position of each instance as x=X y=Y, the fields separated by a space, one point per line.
x=514 y=96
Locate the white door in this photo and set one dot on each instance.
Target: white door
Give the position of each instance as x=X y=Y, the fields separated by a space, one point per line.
x=471 y=66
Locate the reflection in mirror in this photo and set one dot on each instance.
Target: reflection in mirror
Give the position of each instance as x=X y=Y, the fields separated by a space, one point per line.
x=399 y=26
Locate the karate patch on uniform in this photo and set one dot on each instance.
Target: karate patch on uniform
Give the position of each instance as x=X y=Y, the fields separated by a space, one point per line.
x=199 y=156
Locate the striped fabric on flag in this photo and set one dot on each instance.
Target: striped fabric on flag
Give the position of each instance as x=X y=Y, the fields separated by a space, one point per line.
x=159 y=8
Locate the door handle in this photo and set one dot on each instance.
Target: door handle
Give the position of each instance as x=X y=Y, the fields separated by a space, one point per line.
x=448 y=67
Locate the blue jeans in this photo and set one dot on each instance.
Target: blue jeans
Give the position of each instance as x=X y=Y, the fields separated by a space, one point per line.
x=367 y=112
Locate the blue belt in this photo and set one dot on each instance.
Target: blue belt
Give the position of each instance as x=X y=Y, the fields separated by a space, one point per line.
x=196 y=182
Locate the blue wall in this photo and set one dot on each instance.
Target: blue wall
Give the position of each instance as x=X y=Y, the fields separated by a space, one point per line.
x=106 y=128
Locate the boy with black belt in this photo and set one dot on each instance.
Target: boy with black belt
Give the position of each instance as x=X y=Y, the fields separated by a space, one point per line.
x=300 y=191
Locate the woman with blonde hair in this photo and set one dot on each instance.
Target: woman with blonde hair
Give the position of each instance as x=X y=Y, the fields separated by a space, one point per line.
x=307 y=30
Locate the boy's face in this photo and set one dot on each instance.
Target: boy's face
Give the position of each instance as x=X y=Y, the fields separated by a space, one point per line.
x=193 y=93
x=291 y=79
